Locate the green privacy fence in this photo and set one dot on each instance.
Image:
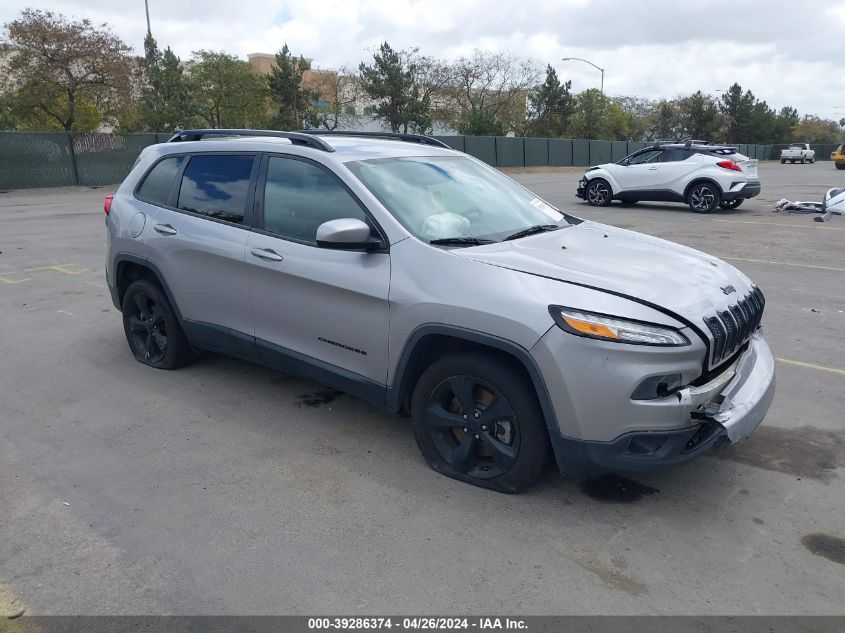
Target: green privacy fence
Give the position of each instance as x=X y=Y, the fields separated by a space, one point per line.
x=503 y=151
x=49 y=159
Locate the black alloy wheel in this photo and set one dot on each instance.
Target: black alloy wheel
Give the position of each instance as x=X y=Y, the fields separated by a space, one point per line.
x=473 y=427
x=152 y=329
x=476 y=418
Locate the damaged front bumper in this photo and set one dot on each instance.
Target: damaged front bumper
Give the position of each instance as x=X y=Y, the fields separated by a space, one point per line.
x=581 y=192
x=726 y=410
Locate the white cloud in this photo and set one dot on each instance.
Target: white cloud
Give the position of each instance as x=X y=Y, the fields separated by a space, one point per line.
x=787 y=53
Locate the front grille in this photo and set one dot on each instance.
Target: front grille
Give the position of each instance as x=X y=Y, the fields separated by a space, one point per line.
x=732 y=327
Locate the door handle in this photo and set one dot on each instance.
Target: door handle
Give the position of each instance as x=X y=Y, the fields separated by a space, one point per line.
x=652 y=168
x=164 y=229
x=267 y=254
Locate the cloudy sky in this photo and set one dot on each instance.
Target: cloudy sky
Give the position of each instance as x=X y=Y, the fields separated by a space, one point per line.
x=787 y=52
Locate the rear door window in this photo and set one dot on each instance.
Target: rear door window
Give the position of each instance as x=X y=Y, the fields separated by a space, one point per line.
x=156 y=185
x=674 y=154
x=216 y=185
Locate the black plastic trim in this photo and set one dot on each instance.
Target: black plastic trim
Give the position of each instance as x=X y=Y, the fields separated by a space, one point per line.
x=421 y=139
x=398 y=389
x=579 y=458
x=296 y=138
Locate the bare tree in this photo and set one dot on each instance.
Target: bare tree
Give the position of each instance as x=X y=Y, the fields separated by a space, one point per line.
x=56 y=65
x=343 y=92
x=490 y=90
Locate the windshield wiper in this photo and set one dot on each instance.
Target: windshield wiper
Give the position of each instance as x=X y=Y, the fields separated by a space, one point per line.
x=531 y=230
x=460 y=241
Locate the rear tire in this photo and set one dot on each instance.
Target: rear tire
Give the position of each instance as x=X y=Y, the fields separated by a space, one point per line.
x=599 y=193
x=731 y=204
x=703 y=197
x=802 y=161
x=783 y=161
x=477 y=419
x=840 y=166
x=629 y=203
x=152 y=329
x=811 y=160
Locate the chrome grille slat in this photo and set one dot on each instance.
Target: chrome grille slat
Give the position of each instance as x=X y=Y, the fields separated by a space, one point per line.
x=732 y=327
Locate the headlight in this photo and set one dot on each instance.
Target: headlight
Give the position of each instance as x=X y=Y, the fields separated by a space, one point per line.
x=609 y=328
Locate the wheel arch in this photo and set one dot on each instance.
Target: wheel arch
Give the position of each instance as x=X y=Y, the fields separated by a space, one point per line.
x=602 y=174
x=702 y=180
x=129 y=268
x=432 y=341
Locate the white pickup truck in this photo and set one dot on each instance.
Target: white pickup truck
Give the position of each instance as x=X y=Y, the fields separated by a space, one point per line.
x=798 y=152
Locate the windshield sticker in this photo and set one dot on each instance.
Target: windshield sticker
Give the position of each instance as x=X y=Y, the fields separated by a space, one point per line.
x=546 y=209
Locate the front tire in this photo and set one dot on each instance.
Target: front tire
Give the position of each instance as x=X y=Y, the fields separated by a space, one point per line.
x=704 y=197
x=599 y=193
x=811 y=160
x=477 y=419
x=151 y=327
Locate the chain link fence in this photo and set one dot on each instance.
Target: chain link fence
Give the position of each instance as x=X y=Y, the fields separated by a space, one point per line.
x=56 y=159
x=50 y=159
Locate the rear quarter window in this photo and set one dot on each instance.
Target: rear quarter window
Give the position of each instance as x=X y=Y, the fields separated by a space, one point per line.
x=156 y=185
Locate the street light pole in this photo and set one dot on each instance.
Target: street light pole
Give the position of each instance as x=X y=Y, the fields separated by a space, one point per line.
x=587 y=61
x=147 y=9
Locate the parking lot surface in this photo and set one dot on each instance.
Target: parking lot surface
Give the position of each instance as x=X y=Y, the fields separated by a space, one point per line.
x=228 y=488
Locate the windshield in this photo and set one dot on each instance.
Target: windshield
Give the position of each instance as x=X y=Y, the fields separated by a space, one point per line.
x=441 y=197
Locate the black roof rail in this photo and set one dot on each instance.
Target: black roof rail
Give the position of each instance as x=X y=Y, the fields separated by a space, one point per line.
x=399 y=136
x=296 y=138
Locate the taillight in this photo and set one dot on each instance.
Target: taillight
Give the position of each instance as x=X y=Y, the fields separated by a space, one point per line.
x=729 y=164
x=107 y=204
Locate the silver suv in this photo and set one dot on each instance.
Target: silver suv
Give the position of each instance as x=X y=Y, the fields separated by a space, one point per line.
x=421 y=280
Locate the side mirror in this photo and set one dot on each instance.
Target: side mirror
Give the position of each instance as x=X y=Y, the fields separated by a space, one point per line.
x=625 y=162
x=348 y=234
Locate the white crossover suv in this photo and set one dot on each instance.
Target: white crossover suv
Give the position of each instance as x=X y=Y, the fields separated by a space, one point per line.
x=706 y=177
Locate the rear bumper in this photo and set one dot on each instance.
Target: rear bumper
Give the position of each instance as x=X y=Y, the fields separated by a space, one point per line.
x=750 y=190
x=724 y=413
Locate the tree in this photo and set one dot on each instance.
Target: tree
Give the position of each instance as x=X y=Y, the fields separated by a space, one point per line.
x=589 y=120
x=638 y=113
x=227 y=93
x=698 y=116
x=56 y=66
x=489 y=92
x=736 y=108
x=165 y=102
x=550 y=106
x=295 y=101
x=342 y=92
x=812 y=129
x=391 y=80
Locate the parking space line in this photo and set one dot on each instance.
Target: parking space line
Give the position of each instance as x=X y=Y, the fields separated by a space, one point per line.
x=814 y=225
x=66 y=269
x=766 y=261
x=6 y=280
x=799 y=363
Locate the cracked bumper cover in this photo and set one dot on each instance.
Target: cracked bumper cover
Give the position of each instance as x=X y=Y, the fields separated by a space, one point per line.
x=724 y=411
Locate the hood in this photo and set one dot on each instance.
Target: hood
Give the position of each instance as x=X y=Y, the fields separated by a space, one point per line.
x=683 y=280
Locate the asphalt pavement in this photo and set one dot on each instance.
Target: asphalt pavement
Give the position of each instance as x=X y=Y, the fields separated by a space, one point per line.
x=228 y=488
